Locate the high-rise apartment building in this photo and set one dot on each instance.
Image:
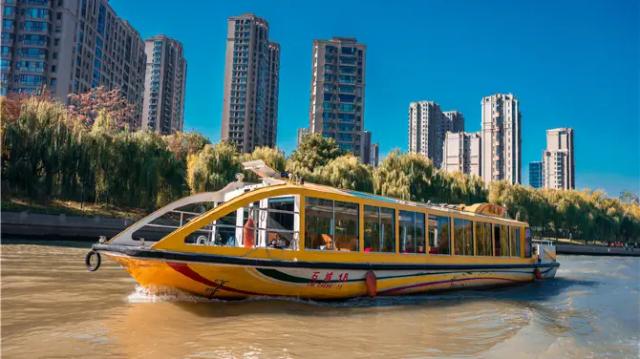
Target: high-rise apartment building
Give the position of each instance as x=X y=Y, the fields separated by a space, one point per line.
x=374 y=155
x=250 y=104
x=536 y=179
x=557 y=160
x=462 y=153
x=337 y=93
x=68 y=47
x=164 y=90
x=370 y=150
x=455 y=121
x=428 y=126
x=501 y=141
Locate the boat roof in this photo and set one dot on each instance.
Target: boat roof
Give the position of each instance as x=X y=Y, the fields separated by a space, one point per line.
x=485 y=210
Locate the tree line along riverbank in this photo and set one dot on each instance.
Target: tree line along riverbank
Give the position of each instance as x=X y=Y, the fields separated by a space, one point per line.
x=84 y=154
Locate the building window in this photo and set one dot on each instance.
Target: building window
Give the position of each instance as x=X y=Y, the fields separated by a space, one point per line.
x=412 y=232
x=463 y=237
x=379 y=229
x=439 y=235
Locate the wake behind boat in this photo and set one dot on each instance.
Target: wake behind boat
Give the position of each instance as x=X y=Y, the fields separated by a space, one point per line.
x=280 y=238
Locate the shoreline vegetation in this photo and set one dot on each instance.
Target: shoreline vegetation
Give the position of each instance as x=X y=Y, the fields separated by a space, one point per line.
x=81 y=159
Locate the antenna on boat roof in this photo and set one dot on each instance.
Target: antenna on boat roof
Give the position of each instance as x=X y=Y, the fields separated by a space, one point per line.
x=268 y=174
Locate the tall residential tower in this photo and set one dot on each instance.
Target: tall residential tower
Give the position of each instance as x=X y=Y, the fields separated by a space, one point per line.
x=164 y=90
x=557 y=160
x=461 y=153
x=337 y=93
x=501 y=142
x=68 y=47
x=250 y=104
x=428 y=126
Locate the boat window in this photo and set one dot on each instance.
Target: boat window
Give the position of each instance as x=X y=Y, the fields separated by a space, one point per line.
x=484 y=245
x=331 y=225
x=268 y=223
x=501 y=240
x=168 y=222
x=514 y=242
x=439 y=235
x=280 y=213
x=411 y=232
x=379 y=229
x=225 y=231
x=463 y=237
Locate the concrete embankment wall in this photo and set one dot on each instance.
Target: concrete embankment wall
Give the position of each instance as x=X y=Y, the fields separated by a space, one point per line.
x=595 y=250
x=24 y=224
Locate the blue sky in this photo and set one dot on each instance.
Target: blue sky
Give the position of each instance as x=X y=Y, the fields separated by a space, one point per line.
x=570 y=63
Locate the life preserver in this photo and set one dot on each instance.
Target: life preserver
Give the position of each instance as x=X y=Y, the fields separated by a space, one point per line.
x=537 y=273
x=87 y=261
x=371 y=282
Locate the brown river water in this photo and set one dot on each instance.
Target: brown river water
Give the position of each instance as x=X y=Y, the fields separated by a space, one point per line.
x=53 y=308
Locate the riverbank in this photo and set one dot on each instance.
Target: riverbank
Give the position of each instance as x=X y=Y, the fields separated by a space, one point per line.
x=591 y=250
x=60 y=226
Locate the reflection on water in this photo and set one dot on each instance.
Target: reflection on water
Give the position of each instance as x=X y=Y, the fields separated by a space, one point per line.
x=52 y=307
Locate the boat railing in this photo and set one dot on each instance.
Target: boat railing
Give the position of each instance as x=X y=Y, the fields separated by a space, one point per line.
x=159 y=223
x=214 y=237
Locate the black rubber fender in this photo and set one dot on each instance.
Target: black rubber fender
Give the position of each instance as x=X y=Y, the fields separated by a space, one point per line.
x=87 y=261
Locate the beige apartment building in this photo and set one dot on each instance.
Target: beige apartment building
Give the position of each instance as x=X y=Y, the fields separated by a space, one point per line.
x=462 y=153
x=501 y=138
x=428 y=126
x=250 y=102
x=558 y=168
x=68 y=47
x=165 y=81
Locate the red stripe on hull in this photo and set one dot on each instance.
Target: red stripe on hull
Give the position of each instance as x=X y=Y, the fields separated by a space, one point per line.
x=184 y=269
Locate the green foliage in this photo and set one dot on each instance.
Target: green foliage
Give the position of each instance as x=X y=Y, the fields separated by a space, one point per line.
x=313 y=153
x=587 y=215
x=412 y=176
x=347 y=172
x=47 y=155
x=213 y=167
x=272 y=157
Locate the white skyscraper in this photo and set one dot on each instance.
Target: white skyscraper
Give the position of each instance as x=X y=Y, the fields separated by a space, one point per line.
x=557 y=160
x=165 y=80
x=501 y=138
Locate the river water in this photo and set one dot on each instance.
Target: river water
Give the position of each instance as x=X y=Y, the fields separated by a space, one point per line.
x=52 y=307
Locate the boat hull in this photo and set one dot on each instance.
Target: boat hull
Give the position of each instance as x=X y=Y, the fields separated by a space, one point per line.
x=235 y=278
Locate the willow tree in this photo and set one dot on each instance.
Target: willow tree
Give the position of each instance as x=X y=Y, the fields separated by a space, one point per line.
x=313 y=153
x=347 y=172
x=406 y=176
x=213 y=167
x=34 y=147
x=272 y=157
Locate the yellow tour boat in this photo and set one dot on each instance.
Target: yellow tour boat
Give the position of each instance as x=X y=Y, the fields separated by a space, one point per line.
x=303 y=240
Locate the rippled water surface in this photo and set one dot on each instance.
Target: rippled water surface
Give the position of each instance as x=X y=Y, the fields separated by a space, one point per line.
x=52 y=307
